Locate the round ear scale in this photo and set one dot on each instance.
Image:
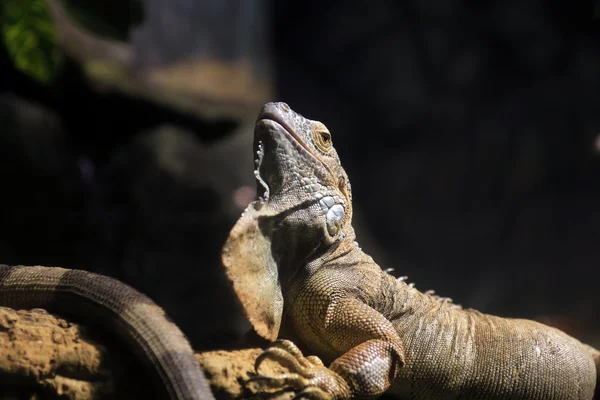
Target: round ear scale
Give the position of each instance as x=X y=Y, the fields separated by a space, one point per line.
x=252 y=271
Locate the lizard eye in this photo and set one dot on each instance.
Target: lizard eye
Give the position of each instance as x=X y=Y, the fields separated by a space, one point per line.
x=323 y=140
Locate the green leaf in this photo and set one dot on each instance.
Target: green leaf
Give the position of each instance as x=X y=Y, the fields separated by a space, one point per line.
x=29 y=36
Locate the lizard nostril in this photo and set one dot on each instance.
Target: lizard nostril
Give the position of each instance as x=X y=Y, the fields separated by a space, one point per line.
x=285 y=107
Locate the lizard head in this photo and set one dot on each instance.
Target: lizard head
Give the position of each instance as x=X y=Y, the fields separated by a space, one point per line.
x=298 y=166
x=303 y=209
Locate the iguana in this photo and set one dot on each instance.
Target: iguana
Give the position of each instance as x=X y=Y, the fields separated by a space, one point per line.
x=116 y=307
x=299 y=274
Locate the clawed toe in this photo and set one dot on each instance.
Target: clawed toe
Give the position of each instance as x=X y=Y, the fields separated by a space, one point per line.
x=293 y=381
x=282 y=357
x=290 y=356
x=307 y=376
x=294 y=351
x=290 y=382
x=312 y=393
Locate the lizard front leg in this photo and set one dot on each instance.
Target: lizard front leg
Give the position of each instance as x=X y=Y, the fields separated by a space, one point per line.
x=371 y=355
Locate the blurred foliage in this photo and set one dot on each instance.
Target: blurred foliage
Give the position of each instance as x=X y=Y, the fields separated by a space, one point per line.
x=30 y=38
x=29 y=34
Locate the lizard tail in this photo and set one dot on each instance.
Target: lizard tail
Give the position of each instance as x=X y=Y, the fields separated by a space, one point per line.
x=130 y=314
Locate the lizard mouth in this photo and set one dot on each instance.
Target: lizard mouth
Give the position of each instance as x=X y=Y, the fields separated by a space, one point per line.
x=271 y=135
x=265 y=166
x=263 y=190
x=266 y=118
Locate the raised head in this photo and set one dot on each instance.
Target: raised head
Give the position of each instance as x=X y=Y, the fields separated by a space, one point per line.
x=303 y=209
x=298 y=167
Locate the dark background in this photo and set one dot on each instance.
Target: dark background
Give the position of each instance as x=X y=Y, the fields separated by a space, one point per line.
x=470 y=132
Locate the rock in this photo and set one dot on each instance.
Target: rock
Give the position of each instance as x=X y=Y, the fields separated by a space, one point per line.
x=47 y=356
x=42 y=355
x=187 y=66
x=227 y=371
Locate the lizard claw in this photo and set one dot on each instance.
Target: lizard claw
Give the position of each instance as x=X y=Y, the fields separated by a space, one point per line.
x=277 y=382
x=312 y=393
x=308 y=376
x=288 y=354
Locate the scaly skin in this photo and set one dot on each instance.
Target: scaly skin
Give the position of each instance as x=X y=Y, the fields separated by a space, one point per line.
x=114 y=306
x=298 y=272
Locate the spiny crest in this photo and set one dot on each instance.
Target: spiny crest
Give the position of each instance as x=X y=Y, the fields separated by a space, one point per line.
x=431 y=293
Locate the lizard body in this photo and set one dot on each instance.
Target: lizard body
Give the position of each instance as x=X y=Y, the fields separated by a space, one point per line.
x=294 y=264
x=116 y=307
